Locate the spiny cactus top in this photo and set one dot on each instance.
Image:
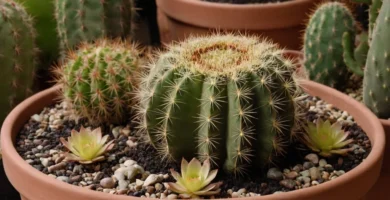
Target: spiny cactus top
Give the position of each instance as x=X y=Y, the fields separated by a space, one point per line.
x=98 y=80
x=88 y=20
x=323 y=44
x=226 y=98
x=17 y=55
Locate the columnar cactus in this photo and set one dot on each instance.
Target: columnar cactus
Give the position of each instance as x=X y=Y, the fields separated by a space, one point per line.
x=17 y=55
x=323 y=44
x=226 y=98
x=355 y=59
x=98 y=80
x=376 y=92
x=88 y=20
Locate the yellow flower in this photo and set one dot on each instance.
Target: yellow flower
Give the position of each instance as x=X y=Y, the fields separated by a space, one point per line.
x=194 y=180
x=87 y=146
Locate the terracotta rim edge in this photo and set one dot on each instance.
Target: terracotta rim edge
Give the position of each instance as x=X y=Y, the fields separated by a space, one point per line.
x=374 y=157
x=289 y=11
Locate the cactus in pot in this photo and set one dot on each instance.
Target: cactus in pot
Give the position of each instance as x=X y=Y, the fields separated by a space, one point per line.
x=226 y=98
x=17 y=55
x=88 y=20
x=376 y=92
x=98 y=80
x=323 y=45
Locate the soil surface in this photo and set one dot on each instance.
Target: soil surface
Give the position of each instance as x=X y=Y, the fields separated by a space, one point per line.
x=39 y=144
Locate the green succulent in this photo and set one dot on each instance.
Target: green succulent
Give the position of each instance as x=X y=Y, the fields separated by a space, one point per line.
x=326 y=138
x=195 y=180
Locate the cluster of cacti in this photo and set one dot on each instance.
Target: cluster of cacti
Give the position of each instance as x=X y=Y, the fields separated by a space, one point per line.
x=227 y=98
x=98 y=80
x=376 y=91
x=88 y=20
x=17 y=55
x=323 y=45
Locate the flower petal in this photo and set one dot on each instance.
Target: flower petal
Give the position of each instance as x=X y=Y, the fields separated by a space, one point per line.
x=210 y=178
x=193 y=168
x=204 y=193
x=175 y=187
x=175 y=174
x=184 y=166
x=205 y=169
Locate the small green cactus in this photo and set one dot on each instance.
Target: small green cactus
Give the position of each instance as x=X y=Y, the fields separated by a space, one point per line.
x=88 y=20
x=17 y=55
x=323 y=44
x=98 y=80
x=376 y=83
x=227 y=98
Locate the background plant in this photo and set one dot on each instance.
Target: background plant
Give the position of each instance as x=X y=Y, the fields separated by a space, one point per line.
x=88 y=20
x=17 y=55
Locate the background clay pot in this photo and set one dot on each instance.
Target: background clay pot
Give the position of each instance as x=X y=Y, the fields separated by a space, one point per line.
x=281 y=22
x=351 y=186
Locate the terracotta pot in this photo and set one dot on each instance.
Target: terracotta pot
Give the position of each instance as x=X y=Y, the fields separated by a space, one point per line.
x=281 y=22
x=34 y=185
x=381 y=187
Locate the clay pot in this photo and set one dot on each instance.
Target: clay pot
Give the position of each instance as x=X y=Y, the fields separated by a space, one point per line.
x=281 y=22
x=34 y=185
x=381 y=187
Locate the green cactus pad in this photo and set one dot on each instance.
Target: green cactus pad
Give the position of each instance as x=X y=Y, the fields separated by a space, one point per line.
x=376 y=83
x=98 y=81
x=226 y=98
x=88 y=20
x=17 y=55
x=323 y=44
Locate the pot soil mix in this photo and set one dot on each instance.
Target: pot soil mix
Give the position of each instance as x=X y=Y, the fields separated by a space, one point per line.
x=39 y=144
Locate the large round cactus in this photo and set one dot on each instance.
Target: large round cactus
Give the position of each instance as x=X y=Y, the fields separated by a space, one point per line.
x=226 y=98
x=98 y=80
x=17 y=55
x=88 y=20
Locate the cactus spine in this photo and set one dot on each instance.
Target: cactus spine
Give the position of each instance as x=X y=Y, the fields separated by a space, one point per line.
x=87 y=20
x=223 y=97
x=17 y=55
x=98 y=81
x=376 y=92
x=323 y=46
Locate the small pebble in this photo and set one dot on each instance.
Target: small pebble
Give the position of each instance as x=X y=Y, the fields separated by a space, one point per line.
x=313 y=158
x=107 y=183
x=287 y=183
x=322 y=163
x=314 y=173
x=274 y=174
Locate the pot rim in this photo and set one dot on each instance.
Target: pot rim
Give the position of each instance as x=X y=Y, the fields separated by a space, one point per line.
x=238 y=16
x=378 y=139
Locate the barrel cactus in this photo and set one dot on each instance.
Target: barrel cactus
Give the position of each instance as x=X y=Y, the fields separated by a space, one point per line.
x=87 y=20
x=226 y=98
x=376 y=83
x=17 y=55
x=323 y=44
x=98 y=80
